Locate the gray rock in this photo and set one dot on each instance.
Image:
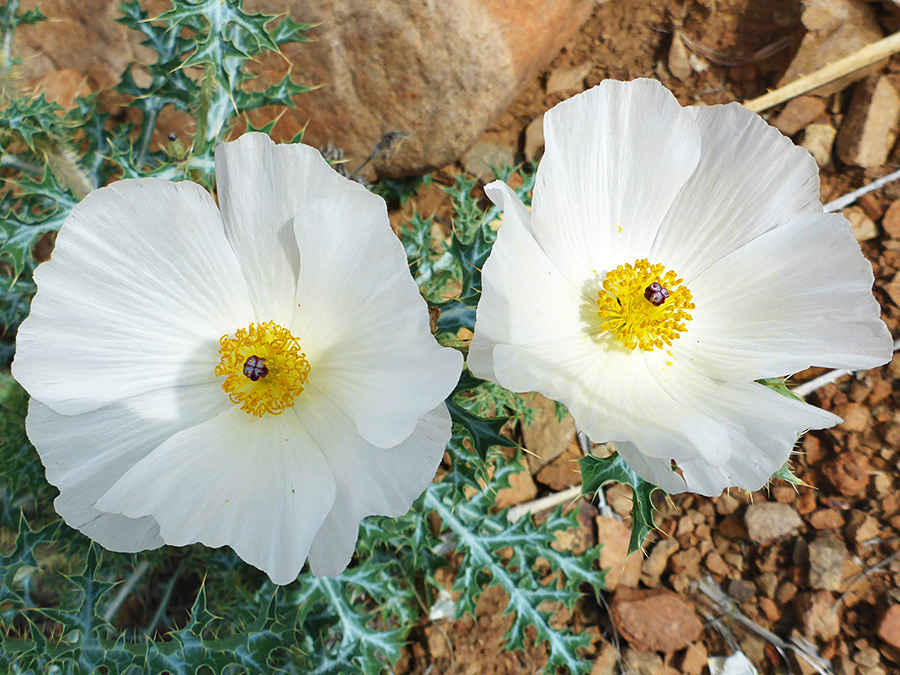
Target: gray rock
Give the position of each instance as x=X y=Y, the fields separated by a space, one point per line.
x=769 y=522
x=826 y=562
x=869 y=128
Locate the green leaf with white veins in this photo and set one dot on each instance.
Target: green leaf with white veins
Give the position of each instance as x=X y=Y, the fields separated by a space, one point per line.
x=598 y=471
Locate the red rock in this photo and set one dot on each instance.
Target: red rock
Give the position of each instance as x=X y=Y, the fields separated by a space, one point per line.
x=521 y=489
x=826 y=519
x=561 y=473
x=567 y=79
x=546 y=438
x=686 y=562
x=695 y=659
x=889 y=626
x=726 y=504
x=863 y=227
x=893 y=289
x=441 y=72
x=862 y=528
x=857 y=417
x=621 y=568
x=848 y=473
x=606 y=661
x=655 y=564
x=770 y=609
x=872 y=205
x=534 y=138
x=655 y=620
x=679 y=62
x=716 y=565
x=798 y=114
x=62 y=86
x=820 y=619
x=438 y=71
x=82 y=36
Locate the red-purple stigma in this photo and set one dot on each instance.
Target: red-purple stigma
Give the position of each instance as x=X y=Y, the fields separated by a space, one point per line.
x=656 y=293
x=255 y=368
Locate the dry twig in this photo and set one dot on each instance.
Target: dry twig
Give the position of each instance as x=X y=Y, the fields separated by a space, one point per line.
x=866 y=56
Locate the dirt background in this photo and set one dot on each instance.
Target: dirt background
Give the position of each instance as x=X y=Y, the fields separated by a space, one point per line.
x=818 y=563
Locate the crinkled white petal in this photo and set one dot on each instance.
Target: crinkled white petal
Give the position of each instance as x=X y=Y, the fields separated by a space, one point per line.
x=370 y=480
x=794 y=297
x=141 y=285
x=84 y=455
x=526 y=301
x=261 y=185
x=258 y=485
x=360 y=318
x=616 y=157
x=534 y=332
x=759 y=428
x=708 y=427
x=111 y=530
x=750 y=179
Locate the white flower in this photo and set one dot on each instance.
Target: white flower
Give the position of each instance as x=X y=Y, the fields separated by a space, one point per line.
x=261 y=376
x=723 y=213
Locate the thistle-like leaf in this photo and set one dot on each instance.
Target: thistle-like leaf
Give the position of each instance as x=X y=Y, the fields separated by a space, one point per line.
x=598 y=471
x=511 y=555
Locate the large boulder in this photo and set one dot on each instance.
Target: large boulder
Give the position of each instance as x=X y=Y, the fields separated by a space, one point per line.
x=439 y=72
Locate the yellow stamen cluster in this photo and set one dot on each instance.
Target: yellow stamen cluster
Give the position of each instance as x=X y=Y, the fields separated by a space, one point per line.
x=286 y=368
x=630 y=316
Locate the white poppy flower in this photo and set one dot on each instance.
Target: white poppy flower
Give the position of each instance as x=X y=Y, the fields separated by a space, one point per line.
x=261 y=376
x=672 y=257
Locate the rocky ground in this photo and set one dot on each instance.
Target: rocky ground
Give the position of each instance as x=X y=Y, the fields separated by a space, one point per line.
x=820 y=564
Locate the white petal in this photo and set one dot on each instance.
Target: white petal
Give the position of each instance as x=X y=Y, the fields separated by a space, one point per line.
x=650 y=399
x=261 y=187
x=759 y=428
x=652 y=469
x=795 y=297
x=84 y=455
x=750 y=179
x=112 y=531
x=370 y=480
x=259 y=485
x=521 y=288
x=616 y=156
x=360 y=317
x=141 y=286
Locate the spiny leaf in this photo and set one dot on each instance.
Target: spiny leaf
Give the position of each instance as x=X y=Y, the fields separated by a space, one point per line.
x=597 y=471
x=785 y=474
x=779 y=384
x=483 y=432
x=487 y=540
x=43 y=207
x=349 y=614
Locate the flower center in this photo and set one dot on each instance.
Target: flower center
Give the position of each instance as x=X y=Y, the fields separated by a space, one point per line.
x=644 y=305
x=264 y=368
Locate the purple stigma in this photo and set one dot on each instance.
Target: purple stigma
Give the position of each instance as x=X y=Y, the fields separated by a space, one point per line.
x=656 y=293
x=255 y=368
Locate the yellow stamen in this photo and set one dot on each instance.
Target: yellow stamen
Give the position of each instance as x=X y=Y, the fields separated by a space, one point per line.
x=271 y=381
x=632 y=317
